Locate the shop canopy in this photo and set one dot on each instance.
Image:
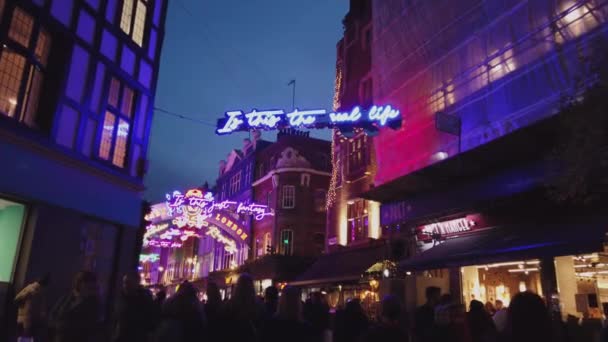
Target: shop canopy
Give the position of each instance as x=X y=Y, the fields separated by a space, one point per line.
x=342 y=266
x=509 y=243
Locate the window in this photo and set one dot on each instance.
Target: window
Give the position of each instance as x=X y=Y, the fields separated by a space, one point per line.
x=23 y=64
x=288 y=197
x=365 y=92
x=248 y=175
x=305 y=179
x=11 y=222
x=366 y=42
x=320 y=199
x=357 y=220
x=117 y=123
x=267 y=243
x=286 y=242
x=235 y=183
x=357 y=154
x=133 y=19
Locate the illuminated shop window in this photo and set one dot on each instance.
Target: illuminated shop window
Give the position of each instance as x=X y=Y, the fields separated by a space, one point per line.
x=133 y=19
x=358 y=221
x=23 y=60
x=117 y=123
x=288 y=196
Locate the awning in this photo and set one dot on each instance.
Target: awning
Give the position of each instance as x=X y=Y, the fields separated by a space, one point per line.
x=276 y=267
x=342 y=266
x=508 y=243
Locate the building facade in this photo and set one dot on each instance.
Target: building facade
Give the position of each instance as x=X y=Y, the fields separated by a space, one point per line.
x=76 y=103
x=285 y=182
x=500 y=72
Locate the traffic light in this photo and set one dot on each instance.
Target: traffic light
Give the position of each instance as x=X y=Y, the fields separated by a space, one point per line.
x=269 y=249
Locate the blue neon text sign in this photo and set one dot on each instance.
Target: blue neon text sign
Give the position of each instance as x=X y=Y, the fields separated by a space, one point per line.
x=374 y=117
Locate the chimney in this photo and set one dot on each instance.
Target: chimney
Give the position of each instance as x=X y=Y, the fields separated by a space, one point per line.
x=246 y=145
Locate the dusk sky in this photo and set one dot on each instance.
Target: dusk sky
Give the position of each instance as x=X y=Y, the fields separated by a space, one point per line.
x=235 y=55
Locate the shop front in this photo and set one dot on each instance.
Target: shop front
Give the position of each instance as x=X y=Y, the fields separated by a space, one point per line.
x=485 y=258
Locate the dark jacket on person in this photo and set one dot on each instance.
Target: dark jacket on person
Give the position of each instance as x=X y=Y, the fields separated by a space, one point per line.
x=240 y=325
x=75 y=319
x=350 y=325
x=134 y=316
x=385 y=333
x=280 y=330
x=183 y=321
x=424 y=323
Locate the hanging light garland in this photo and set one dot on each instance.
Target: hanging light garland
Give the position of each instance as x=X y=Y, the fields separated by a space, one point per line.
x=335 y=162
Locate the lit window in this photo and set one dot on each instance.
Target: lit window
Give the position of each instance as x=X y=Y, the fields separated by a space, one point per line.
x=117 y=124
x=267 y=243
x=286 y=243
x=133 y=19
x=288 y=197
x=106 y=136
x=23 y=68
x=21 y=27
x=235 y=183
x=357 y=220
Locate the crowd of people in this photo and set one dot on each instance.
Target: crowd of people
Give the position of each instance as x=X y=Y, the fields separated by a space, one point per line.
x=277 y=316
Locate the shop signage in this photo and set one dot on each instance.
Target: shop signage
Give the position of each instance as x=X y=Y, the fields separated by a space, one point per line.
x=437 y=231
x=240 y=121
x=229 y=244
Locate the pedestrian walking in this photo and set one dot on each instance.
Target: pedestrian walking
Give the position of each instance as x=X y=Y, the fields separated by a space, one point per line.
x=424 y=317
x=481 y=325
x=75 y=317
x=316 y=313
x=528 y=319
x=351 y=322
x=134 y=312
x=500 y=317
x=213 y=311
x=243 y=313
x=32 y=309
x=271 y=300
x=388 y=328
x=288 y=323
x=183 y=317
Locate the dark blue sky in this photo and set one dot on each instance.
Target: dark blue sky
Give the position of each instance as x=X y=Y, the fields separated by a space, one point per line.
x=230 y=55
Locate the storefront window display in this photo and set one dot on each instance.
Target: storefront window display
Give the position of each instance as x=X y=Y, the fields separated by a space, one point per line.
x=500 y=281
x=583 y=284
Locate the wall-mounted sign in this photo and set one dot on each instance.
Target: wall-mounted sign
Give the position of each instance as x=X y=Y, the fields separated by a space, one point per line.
x=438 y=231
x=239 y=121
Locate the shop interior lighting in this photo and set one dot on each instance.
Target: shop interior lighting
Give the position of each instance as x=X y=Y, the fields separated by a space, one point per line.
x=524 y=270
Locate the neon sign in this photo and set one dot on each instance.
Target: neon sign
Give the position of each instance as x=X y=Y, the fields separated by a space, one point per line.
x=152 y=257
x=195 y=208
x=162 y=244
x=230 y=245
x=376 y=116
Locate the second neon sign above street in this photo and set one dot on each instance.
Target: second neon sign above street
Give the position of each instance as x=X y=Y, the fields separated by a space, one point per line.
x=373 y=118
